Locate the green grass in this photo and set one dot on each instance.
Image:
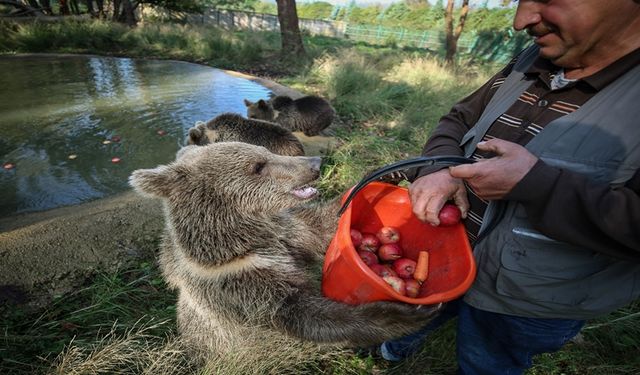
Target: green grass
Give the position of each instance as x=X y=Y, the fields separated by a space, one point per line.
x=388 y=100
x=108 y=305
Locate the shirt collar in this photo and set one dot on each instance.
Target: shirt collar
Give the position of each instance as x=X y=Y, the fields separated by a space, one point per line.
x=543 y=68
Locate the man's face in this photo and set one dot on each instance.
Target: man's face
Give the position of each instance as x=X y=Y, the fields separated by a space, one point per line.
x=573 y=33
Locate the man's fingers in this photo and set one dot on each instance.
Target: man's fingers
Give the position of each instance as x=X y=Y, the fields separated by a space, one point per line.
x=424 y=211
x=462 y=171
x=460 y=199
x=419 y=208
x=496 y=146
x=433 y=209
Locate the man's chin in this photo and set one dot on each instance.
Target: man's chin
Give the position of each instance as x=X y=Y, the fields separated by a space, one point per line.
x=554 y=55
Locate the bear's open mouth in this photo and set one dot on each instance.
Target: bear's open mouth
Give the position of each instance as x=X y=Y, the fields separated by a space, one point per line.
x=305 y=192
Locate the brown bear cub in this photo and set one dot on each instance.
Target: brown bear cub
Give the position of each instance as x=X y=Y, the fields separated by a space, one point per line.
x=244 y=246
x=229 y=127
x=309 y=114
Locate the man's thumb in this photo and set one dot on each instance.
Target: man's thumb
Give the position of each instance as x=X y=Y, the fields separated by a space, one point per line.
x=460 y=171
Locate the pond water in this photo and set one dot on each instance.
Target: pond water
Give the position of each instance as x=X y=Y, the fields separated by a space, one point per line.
x=73 y=128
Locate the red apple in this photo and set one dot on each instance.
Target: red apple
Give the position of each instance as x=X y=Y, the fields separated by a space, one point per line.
x=383 y=270
x=413 y=287
x=396 y=283
x=368 y=257
x=8 y=166
x=115 y=160
x=356 y=237
x=404 y=267
x=449 y=215
x=390 y=252
x=388 y=235
x=369 y=242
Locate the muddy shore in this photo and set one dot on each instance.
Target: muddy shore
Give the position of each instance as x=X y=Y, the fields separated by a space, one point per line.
x=47 y=253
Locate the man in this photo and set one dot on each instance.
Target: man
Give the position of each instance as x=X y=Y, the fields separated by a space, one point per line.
x=552 y=204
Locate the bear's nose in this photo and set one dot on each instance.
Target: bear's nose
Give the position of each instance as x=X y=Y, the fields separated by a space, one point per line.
x=315 y=162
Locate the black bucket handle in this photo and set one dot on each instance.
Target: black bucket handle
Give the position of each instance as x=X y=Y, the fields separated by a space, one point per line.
x=421 y=161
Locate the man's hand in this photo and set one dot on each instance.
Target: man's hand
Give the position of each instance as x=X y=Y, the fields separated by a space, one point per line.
x=493 y=178
x=429 y=193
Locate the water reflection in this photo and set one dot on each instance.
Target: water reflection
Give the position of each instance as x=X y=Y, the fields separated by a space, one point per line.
x=98 y=108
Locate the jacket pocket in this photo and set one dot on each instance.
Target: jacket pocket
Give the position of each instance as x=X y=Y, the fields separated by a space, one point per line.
x=606 y=170
x=535 y=267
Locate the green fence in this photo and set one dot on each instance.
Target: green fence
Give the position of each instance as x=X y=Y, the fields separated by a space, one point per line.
x=498 y=46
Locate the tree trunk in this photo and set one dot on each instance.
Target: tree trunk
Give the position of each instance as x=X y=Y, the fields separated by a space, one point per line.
x=127 y=13
x=74 y=6
x=64 y=7
x=90 y=9
x=452 y=35
x=100 y=9
x=116 y=10
x=22 y=8
x=46 y=7
x=289 y=28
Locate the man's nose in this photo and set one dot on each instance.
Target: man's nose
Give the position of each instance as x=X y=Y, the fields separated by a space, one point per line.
x=527 y=14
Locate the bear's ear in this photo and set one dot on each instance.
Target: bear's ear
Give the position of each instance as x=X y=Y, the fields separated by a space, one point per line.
x=262 y=104
x=247 y=103
x=195 y=134
x=156 y=182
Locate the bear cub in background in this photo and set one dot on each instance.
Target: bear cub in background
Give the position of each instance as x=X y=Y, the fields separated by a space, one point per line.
x=309 y=114
x=229 y=127
x=244 y=242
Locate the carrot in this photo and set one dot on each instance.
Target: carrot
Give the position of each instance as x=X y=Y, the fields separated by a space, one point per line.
x=422 y=267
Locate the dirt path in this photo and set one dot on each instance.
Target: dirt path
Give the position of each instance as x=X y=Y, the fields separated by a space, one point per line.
x=47 y=253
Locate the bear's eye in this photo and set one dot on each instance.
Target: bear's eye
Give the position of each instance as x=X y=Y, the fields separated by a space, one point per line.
x=258 y=167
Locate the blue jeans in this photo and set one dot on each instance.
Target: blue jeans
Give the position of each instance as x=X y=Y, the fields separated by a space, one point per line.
x=490 y=343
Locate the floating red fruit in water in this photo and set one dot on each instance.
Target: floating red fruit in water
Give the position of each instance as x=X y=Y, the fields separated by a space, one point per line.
x=115 y=138
x=8 y=166
x=115 y=160
x=161 y=132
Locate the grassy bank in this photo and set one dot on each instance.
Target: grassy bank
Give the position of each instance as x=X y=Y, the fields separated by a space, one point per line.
x=388 y=100
x=242 y=51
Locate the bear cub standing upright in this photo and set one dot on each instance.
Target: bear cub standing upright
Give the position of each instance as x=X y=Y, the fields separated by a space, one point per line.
x=309 y=114
x=230 y=127
x=243 y=245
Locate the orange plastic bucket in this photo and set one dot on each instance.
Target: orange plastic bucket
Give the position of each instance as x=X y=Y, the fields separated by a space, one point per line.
x=346 y=278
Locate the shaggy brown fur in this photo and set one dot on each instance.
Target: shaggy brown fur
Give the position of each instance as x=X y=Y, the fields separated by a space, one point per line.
x=244 y=246
x=309 y=114
x=229 y=127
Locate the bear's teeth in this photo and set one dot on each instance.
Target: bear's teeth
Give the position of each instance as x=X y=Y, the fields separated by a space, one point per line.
x=305 y=192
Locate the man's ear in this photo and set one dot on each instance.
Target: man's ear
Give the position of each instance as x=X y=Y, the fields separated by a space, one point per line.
x=247 y=103
x=156 y=182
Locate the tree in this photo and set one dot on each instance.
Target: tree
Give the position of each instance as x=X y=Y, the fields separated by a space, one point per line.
x=64 y=7
x=452 y=35
x=289 y=28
